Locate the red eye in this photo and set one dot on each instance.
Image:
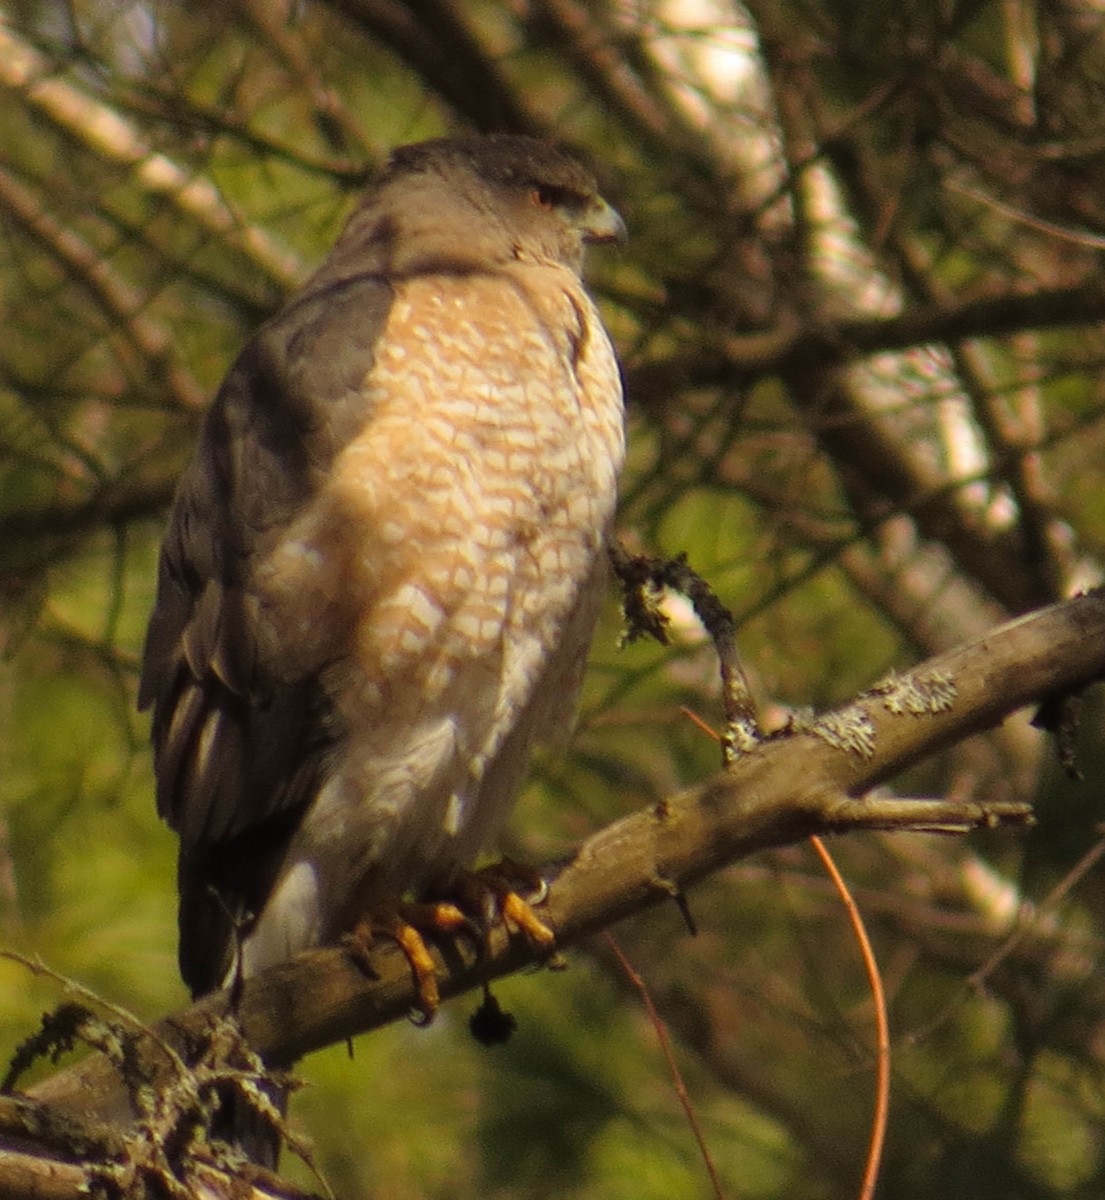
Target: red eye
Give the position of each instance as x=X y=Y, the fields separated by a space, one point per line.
x=550 y=195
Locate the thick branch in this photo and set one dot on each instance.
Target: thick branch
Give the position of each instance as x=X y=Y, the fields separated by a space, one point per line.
x=809 y=780
x=113 y=505
x=831 y=343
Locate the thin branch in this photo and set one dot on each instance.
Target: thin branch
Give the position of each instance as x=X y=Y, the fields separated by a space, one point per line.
x=642 y=577
x=150 y=345
x=332 y=117
x=673 y=1066
x=1028 y=926
x=444 y=53
x=113 y=139
x=611 y=63
x=1013 y=441
x=882 y=1026
x=886 y=474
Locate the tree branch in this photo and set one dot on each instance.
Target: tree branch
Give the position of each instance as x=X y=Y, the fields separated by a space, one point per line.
x=151 y=355
x=813 y=778
x=107 y=135
x=446 y=54
x=742 y=356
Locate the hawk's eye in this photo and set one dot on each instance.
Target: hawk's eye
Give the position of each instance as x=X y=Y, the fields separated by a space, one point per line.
x=549 y=196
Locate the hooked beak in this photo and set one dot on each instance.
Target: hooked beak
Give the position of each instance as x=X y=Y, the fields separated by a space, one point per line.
x=602 y=223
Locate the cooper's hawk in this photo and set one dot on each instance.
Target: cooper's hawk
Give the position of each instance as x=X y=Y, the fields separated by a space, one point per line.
x=382 y=566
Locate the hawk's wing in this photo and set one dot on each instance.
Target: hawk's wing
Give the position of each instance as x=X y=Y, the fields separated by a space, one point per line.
x=241 y=729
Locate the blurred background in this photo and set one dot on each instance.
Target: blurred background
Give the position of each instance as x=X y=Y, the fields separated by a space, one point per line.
x=863 y=331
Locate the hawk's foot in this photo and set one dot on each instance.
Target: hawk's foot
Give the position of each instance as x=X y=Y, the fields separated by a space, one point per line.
x=406 y=924
x=471 y=903
x=509 y=890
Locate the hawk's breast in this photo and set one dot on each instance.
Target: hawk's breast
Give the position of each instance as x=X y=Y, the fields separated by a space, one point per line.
x=449 y=546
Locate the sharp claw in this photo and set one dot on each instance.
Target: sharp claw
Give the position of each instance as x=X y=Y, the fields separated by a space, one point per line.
x=413 y=945
x=503 y=881
x=489 y=892
x=360 y=940
x=517 y=912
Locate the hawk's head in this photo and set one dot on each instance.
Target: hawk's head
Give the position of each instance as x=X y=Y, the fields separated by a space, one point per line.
x=482 y=200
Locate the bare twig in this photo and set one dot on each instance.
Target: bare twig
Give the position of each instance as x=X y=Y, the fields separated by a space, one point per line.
x=641 y=576
x=882 y=1024
x=673 y=1067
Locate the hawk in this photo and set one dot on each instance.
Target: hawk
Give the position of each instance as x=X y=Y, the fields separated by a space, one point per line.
x=383 y=563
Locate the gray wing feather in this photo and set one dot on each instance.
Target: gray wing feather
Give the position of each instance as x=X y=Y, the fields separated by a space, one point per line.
x=239 y=747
